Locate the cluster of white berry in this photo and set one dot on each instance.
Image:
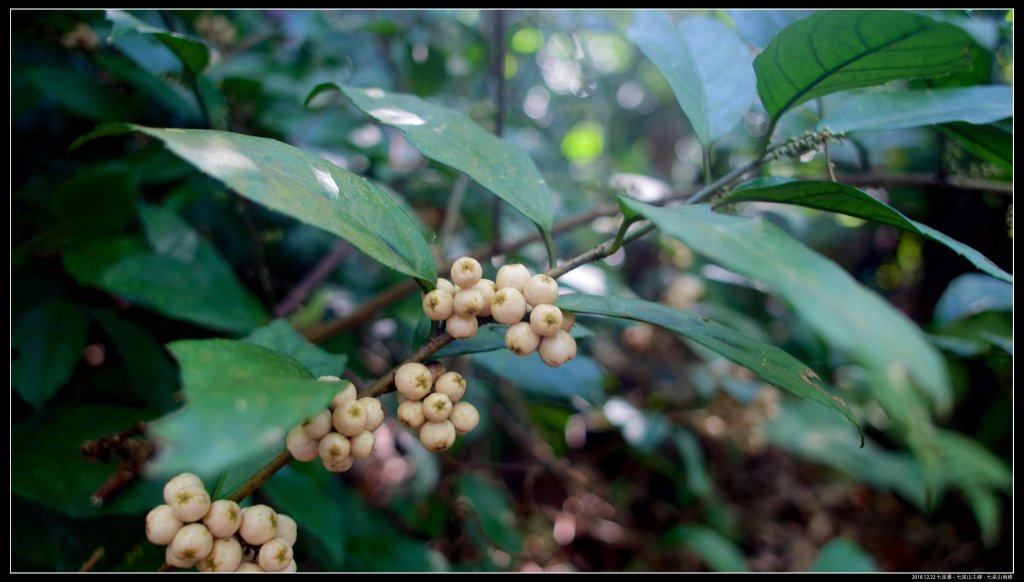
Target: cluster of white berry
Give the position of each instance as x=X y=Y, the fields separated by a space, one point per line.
x=339 y=434
x=431 y=405
x=508 y=299
x=229 y=539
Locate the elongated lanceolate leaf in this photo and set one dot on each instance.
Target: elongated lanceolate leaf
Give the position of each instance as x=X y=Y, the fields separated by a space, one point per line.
x=305 y=187
x=714 y=549
x=872 y=111
x=706 y=64
x=836 y=50
x=846 y=199
x=194 y=55
x=48 y=342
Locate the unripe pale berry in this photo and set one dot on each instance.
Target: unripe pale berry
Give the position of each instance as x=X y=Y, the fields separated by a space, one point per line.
x=362 y=444
x=179 y=482
x=546 y=320
x=346 y=395
x=191 y=503
x=287 y=529
x=259 y=525
x=275 y=555
x=226 y=556
x=414 y=380
x=469 y=302
x=438 y=436
x=540 y=290
x=339 y=465
x=512 y=276
x=350 y=418
x=452 y=385
x=464 y=417
x=439 y=305
x=173 y=560
x=249 y=567
x=521 y=339
x=411 y=414
x=374 y=412
x=486 y=289
x=301 y=446
x=334 y=447
x=508 y=306
x=462 y=326
x=557 y=349
x=291 y=567
x=162 y=525
x=466 y=272
x=318 y=426
x=437 y=407
x=446 y=285
x=223 y=519
x=192 y=543
x=568 y=320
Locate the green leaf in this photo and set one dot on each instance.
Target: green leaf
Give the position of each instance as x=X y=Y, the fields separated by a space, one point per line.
x=493 y=509
x=282 y=338
x=845 y=199
x=48 y=341
x=774 y=365
x=305 y=187
x=242 y=399
x=449 y=137
x=842 y=555
x=874 y=111
x=153 y=375
x=759 y=27
x=714 y=549
x=969 y=463
x=693 y=462
x=987 y=509
x=193 y=54
x=835 y=50
x=48 y=467
x=992 y=143
x=81 y=94
x=705 y=63
x=579 y=377
x=308 y=499
x=970 y=294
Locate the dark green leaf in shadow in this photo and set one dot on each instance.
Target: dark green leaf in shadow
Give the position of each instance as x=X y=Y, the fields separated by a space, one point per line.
x=492 y=508
x=193 y=54
x=47 y=343
x=714 y=549
x=282 y=338
x=842 y=555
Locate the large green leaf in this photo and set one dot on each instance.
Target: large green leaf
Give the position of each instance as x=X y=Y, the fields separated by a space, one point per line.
x=872 y=111
x=194 y=55
x=305 y=187
x=970 y=294
x=282 y=338
x=705 y=63
x=832 y=51
x=48 y=342
x=846 y=199
x=47 y=465
x=455 y=140
x=774 y=365
x=842 y=555
x=493 y=509
x=242 y=399
x=307 y=497
x=714 y=549
x=185 y=278
x=492 y=337
x=992 y=142
x=579 y=377
x=153 y=376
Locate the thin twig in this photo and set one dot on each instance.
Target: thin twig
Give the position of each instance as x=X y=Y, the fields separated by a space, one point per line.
x=354 y=378
x=93 y=559
x=451 y=214
x=313 y=279
x=386 y=382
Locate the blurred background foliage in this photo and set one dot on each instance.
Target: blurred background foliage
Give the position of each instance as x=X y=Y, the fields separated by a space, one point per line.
x=646 y=453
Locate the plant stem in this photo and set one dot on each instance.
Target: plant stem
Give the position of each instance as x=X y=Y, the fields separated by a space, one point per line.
x=313 y=279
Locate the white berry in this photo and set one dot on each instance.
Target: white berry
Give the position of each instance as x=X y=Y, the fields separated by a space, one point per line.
x=275 y=555
x=301 y=446
x=508 y=306
x=487 y=289
x=568 y=320
x=291 y=567
x=411 y=414
x=521 y=339
x=374 y=412
x=225 y=556
x=540 y=290
x=249 y=567
x=512 y=276
x=334 y=447
x=468 y=302
x=161 y=525
x=179 y=482
x=546 y=320
x=464 y=417
x=437 y=407
x=223 y=518
x=439 y=305
x=318 y=426
x=462 y=326
x=446 y=285
x=190 y=503
x=350 y=418
x=466 y=272
x=414 y=380
x=557 y=349
x=259 y=525
x=287 y=529
x=346 y=395
x=192 y=543
x=173 y=560
x=452 y=385
x=362 y=444
x=437 y=436
x=339 y=465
